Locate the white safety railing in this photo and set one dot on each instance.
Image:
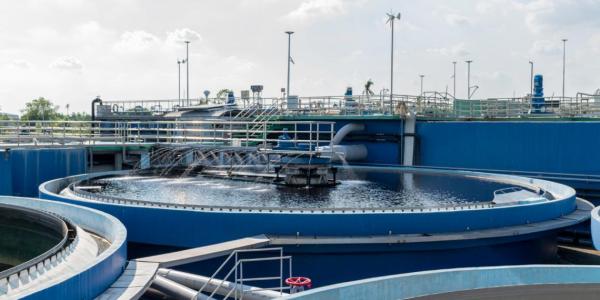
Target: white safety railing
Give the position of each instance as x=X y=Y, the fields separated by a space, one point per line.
x=307 y=135
x=430 y=104
x=236 y=272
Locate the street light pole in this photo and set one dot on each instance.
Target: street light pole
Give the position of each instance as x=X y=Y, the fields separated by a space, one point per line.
x=454 y=77
x=469 y=78
x=391 y=19
x=179 y=81
x=564 y=66
x=421 y=84
x=187 y=72
x=289 y=60
x=531 y=80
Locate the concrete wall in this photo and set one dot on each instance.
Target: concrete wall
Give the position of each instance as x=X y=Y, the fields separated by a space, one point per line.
x=23 y=170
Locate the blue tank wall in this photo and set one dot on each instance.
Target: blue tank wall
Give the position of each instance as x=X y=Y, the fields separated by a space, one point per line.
x=184 y=227
x=559 y=149
x=23 y=170
x=5 y=173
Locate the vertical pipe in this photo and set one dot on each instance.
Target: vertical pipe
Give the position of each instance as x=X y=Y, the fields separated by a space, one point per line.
x=469 y=78
x=392 y=66
x=421 y=84
x=564 y=66
x=179 y=82
x=187 y=66
x=531 y=80
x=454 y=77
x=289 y=60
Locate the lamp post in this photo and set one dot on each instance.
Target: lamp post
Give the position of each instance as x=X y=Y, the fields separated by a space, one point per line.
x=564 y=66
x=179 y=81
x=391 y=19
x=454 y=82
x=469 y=78
x=187 y=71
x=531 y=80
x=289 y=61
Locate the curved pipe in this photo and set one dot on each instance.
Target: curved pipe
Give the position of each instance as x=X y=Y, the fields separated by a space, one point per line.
x=197 y=282
x=98 y=101
x=346 y=152
x=345 y=130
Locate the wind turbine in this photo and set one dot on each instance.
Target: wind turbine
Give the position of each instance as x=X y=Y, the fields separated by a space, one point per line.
x=391 y=19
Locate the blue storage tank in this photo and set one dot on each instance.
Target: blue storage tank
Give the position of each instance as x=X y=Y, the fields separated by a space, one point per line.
x=537 y=99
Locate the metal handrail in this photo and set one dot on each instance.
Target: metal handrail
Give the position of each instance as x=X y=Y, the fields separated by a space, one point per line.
x=239 y=280
x=430 y=104
x=22 y=133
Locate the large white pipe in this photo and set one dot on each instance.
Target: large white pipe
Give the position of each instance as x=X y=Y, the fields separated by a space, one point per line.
x=198 y=281
x=344 y=131
x=176 y=290
x=345 y=152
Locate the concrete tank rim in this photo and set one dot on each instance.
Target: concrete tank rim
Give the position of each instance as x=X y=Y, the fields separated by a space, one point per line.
x=117 y=243
x=453 y=271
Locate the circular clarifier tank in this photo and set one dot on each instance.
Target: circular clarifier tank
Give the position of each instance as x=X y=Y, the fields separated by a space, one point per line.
x=356 y=188
x=49 y=247
x=375 y=221
x=27 y=234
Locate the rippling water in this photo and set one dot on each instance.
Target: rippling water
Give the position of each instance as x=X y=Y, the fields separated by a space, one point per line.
x=357 y=189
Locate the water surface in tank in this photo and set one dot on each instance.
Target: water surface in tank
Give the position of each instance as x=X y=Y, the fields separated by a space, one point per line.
x=23 y=237
x=357 y=188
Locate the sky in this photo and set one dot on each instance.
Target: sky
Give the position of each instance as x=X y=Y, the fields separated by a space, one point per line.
x=71 y=51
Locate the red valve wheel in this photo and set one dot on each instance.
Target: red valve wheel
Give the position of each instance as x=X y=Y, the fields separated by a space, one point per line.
x=299 y=281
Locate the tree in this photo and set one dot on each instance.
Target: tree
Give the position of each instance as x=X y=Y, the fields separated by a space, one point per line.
x=78 y=116
x=40 y=109
x=223 y=93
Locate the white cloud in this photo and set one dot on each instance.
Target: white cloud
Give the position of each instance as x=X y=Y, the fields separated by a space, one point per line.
x=136 y=41
x=20 y=64
x=546 y=47
x=181 y=35
x=457 y=20
x=594 y=43
x=316 y=8
x=457 y=50
x=551 y=15
x=89 y=29
x=67 y=63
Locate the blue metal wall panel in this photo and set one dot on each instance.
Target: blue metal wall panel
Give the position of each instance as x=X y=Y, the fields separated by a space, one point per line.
x=6 y=179
x=31 y=167
x=552 y=146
